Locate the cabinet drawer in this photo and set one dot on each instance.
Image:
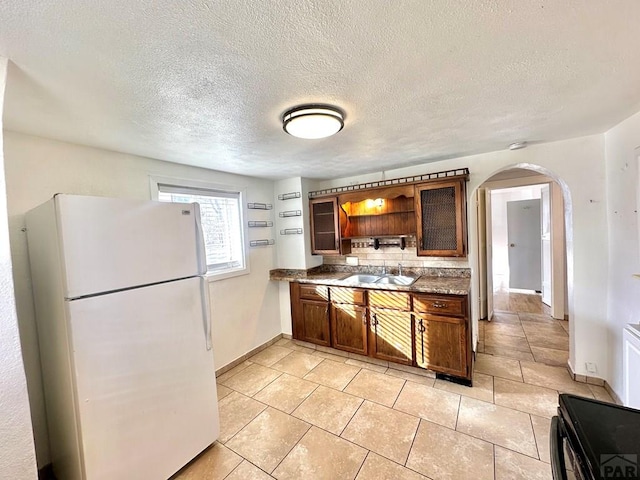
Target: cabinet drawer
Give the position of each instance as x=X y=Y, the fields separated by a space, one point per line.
x=391 y=300
x=352 y=296
x=314 y=292
x=439 y=305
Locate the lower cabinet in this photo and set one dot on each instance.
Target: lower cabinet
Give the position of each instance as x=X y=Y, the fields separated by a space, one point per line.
x=440 y=344
x=442 y=335
x=348 y=316
x=310 y=313
x=349 y=328
x=424 y=330
x=314 y=325
x=390 y=336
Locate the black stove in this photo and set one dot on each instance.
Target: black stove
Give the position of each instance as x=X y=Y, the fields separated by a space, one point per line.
x=602 y=439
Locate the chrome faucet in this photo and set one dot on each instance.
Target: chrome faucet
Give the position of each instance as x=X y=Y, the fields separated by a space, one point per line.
x=400 y=269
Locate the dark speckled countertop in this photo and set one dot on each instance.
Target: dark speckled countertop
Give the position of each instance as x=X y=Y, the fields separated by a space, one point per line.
x=450 y=281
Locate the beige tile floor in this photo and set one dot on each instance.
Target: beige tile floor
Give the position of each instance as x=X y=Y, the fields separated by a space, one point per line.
x=523 y=329
x=292 y=412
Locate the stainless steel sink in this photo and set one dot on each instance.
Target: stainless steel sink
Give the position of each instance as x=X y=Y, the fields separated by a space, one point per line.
x=380 y=279
x=361 y=278
x=396 y=280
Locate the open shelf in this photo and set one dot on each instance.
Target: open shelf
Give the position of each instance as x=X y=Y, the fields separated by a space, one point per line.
x=379 y=214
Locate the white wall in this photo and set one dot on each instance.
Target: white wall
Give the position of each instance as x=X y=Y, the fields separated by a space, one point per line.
x=622 y=147
x=17 y=454
x=294 y=251
x=245 y=309
x=578 y=165
x=499 y=231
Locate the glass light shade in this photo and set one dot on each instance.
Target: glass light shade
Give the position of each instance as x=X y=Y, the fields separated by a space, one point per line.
x=313 y=121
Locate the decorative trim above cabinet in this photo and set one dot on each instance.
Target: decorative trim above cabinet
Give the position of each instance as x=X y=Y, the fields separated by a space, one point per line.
x=394 y=182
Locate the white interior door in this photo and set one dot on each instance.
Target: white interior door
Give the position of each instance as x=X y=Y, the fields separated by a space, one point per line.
x=485 y=257
x=489 y=236
x=482 y=251
x=524 y=233
x=545 y=204
x=109 y=244
x=558 y=253
x=146 y=391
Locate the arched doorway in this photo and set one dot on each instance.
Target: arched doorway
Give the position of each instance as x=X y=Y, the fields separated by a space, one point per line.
x=548 y=339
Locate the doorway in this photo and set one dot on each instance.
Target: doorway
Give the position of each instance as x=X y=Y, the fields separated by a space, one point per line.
x=537 y=260
x=522 y=268
x=517 y=264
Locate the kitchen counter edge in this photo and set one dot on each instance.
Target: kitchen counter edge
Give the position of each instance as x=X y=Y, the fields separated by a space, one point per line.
x=425 y=284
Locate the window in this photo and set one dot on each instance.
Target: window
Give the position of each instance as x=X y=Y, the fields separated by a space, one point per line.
x=222 y=226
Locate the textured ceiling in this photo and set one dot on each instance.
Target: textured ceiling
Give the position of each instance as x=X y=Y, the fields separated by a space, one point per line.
x=205 y=83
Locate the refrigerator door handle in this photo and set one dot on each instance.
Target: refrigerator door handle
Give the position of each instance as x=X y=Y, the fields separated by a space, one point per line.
x=202 y=254
x=206 y=311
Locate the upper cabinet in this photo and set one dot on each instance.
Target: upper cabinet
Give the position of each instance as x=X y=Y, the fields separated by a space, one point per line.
x=328 y=222
x=379 y=212
x=432 y=207
x=441 y=218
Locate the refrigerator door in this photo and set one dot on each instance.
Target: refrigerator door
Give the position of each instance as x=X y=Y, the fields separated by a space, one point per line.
x=145 y=380
x=109 y=244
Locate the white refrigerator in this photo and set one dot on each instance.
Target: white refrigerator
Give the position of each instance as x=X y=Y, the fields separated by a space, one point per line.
x=125 y=335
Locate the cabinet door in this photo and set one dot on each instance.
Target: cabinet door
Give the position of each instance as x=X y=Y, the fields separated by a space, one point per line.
x=441 y=218
x=314 y=322
x=349 y=328
x=326 y=220
x=441 y=344
x=309 y=316
x=390 y=335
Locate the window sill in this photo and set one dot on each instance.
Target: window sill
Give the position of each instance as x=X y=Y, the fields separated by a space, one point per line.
x=214 y=277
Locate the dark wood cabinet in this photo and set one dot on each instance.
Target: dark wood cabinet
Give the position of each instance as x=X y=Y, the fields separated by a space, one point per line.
x=327 y=224
x=379 y=212
x=426 y=330
x=442 y=334
x=383 y=331
x=441 y=218
x=310 y=313
x=348 y=317
x=390 y=326
x=349 y=328
x=440 y=344
x=390 y=336
x=435 y=211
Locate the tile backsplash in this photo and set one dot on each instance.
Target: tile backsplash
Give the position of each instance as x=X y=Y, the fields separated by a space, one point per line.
x=392 y=256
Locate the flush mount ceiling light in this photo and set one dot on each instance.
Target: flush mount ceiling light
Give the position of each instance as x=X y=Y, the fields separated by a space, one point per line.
x=313 y=121
x=517 y=145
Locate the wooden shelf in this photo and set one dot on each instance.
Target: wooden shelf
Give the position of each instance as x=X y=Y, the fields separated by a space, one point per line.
x=361 y=237
x=380 y=214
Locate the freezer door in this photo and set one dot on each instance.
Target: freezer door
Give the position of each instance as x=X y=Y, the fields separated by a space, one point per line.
x=109 y=244
x=145 y=380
